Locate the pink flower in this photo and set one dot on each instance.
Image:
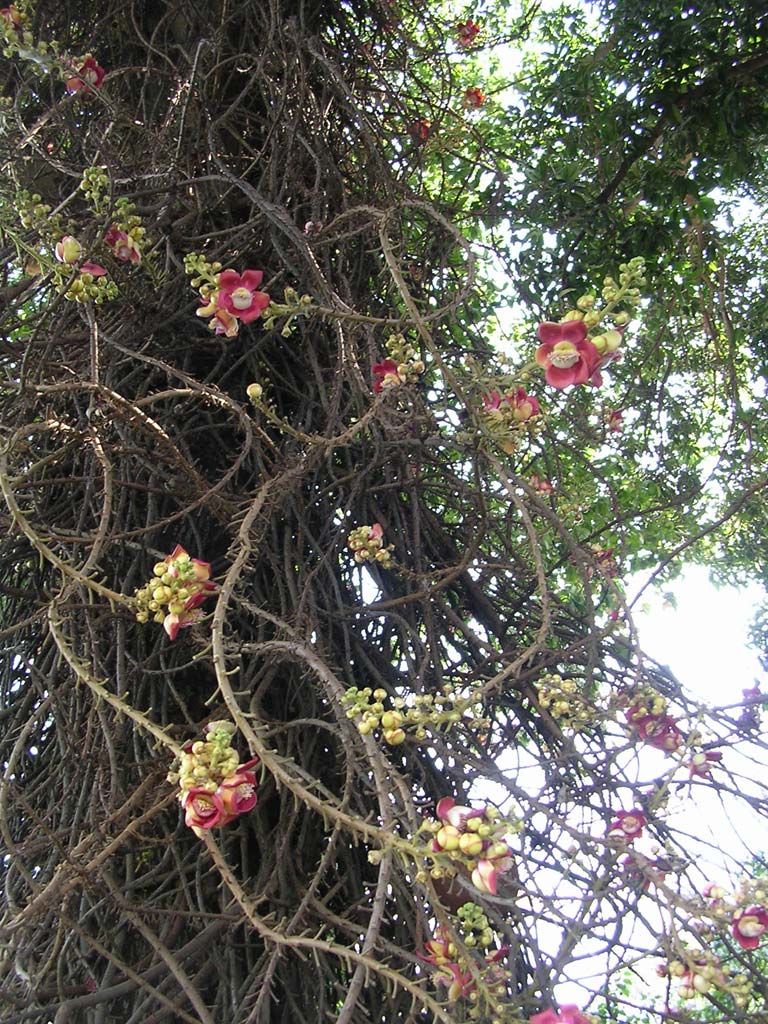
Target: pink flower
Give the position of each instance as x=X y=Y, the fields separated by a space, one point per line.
x=222 y=322
x=473 y=98
x=386 y=375
x=485 y=877
x=700 y=765
x=628 y=825
x=568 y=1015
x=88 y=77
x=174 y=621
x=714 y=895
x=203 y=809
x=239 y=296
x=238 y=792
x=524 y=406
x=466 y=31
x=455 y=814
x=122 y=245
x=518 y=405
x=567 y=355
x=749 y=926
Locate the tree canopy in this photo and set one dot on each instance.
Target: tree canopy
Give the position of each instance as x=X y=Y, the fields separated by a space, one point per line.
x=354 y=355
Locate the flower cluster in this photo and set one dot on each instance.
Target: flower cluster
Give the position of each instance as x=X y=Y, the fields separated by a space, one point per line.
x=565 y=702
x=11 y=18
x=18 y=38
x=226 y=296
x=174 y=594
x=647 y=717
x=509 y=416
x=567 y=353
x=472 y=838
x=80 y=74
x=91 y=282
x=125 y=235
x=402 y=367
x=473 y=98
x=367 y=543
x=37 y=215
x=627 y=825
x=453 y=963
x=214 y=788
x=702 y=974
x=466 y=33
x=396 y=719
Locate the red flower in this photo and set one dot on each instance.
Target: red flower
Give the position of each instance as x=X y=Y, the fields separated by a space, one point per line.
x=614 y=421
x=628 y=825
x=386 y=375
x=419 y=130
x=122 y=245
x=238 y=793
x=466 y=31
x=749 y=926
x=473 y=98
x=659 y=731
x=520 y=406
x=203 y=809
x=87 y=78
x=239 y=296
x=701 y=763
x=567 y=355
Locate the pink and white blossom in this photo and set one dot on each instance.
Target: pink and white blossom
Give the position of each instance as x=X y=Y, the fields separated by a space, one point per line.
x=566 y=354
x=239 y=294
x=628 y=825
x=748 y=926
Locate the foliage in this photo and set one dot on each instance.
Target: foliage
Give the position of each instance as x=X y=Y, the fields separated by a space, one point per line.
x=341 y=575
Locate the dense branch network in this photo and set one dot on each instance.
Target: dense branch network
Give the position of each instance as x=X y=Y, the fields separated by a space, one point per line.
x=398 y=608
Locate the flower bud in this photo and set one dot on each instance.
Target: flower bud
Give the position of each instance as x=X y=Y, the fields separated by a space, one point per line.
x=448 y=837
x=470 y=844
x=394 y=737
